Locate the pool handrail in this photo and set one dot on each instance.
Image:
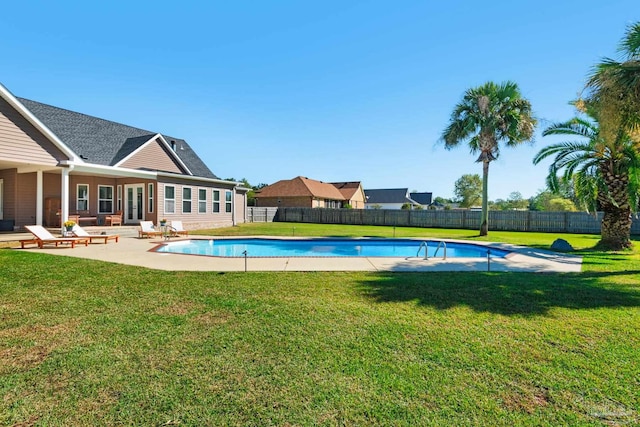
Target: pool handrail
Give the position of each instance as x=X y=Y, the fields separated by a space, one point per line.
x=425 y=245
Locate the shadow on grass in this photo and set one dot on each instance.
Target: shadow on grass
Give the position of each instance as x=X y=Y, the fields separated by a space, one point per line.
x=503 y=293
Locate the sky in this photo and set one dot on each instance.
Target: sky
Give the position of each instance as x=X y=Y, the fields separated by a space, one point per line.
x=333 y=90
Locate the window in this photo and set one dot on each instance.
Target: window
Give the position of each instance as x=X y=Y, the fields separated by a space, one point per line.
x=105 y=199
x=150 y=203
x=186 y=199
x=169 y=199
x=216 y=201
x=82 y=197
x=202 y=200
x=119 y=202
x=227 y=199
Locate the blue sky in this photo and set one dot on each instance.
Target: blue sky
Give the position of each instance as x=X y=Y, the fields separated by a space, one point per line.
x=331 y=90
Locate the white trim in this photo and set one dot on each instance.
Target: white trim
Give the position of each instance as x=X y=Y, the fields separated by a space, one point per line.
x=151 y=199
x=119 y=204
x=164 y=192
x=112 y=198
x=152 y=140
x=24 y=111
x=125 y=203
x=198 y=178
x=200 y=200
x=190 y=200
x=39 y=196
x=214 y=201
x=78 y=196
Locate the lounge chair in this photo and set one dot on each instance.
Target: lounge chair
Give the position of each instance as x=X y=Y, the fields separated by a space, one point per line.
x=81 y=232
x=177 y=229
x=148 y=230
x=43 y=237
x=113 y=219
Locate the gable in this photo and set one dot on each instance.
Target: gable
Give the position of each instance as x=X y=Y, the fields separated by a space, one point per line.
x=107 y=143
x=301 y=187
x=153 y=156
x=21 y=142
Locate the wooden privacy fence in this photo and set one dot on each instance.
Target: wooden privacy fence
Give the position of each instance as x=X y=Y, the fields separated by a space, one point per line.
x=260 y=214
x=552 y=222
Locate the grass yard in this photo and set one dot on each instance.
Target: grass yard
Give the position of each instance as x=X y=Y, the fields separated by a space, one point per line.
x=91 y=343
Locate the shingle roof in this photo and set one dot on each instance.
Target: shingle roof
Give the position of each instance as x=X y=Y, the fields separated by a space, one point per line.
x=347 y=189
x=104 y=142
x=300 y=187
x=422 y=198
x=388 y=195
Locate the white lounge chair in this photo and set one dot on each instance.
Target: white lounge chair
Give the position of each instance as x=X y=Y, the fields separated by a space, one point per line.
x=43 y=237
x=177 y=229
x=148 y=230
x=81 y=232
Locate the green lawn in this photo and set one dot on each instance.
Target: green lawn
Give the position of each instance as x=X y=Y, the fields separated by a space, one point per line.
x=90 y=343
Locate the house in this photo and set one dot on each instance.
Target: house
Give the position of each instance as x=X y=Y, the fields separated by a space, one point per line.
x=55 y=162
x=424 y=199
x=309 y=193
x=388 y=198
x=352 y=192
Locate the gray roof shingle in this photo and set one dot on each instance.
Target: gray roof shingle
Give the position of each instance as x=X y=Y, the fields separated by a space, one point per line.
x=422 y=198
x=104 y=142
x=388 y=195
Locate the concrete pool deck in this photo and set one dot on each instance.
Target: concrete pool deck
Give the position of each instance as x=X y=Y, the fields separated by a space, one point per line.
x=138 y=252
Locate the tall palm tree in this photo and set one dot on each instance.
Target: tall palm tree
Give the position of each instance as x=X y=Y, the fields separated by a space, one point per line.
x=486 y=116
x=602 y=176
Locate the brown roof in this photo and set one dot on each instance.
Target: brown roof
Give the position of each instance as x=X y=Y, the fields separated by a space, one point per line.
x=300 y=187
x=347 y=189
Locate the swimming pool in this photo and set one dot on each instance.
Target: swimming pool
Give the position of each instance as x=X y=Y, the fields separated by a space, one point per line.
x=323 y=247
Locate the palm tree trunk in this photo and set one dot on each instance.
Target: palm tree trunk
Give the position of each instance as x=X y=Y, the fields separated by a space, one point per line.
x=484 y=221
x=616 y=223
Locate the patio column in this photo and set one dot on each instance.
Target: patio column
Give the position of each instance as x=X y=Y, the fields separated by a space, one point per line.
x=64 y=195
x=39 y=197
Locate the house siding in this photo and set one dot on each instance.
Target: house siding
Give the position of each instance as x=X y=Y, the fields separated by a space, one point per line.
x=241 y=207
x=154 y=156
x=384 y=206
x=357 y=200
x=22 y=142
x=194 y=219
x=26 y=209
x=10 y=182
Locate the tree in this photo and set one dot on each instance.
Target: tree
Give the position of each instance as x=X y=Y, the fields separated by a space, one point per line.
x=487 y=116
x=468 y=190
x=606 y=174
x=251 y=194
x=516 y=201
x=559 y=204
x=546 y=200
x=613 y=89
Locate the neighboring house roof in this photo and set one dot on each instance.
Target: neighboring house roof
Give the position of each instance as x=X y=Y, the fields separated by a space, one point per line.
x=104 y=142
x=422 y=198
x=347 y=189
x=301 y=186
x=388 y=195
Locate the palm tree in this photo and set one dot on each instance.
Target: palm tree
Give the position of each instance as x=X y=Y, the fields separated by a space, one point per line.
x=486 y=116
x=602 y=176
x=613 y=88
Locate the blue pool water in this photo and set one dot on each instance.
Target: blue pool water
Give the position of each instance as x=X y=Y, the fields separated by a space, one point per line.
x=324 y=248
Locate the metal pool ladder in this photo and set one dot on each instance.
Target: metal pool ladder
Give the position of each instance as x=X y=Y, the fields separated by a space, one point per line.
x=425 y=245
